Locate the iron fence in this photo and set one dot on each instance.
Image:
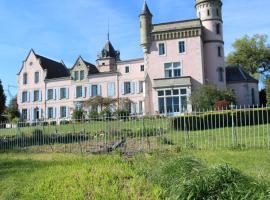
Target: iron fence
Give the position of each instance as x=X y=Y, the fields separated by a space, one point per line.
x=236 y=128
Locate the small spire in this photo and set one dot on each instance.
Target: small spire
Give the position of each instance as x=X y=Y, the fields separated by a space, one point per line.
x=145 y=9
x=108 y=34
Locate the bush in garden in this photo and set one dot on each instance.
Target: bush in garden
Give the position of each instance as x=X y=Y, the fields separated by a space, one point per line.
x=267 y=83
x=78 y=114
x=93 y=115
x=206 y=96
x=106 y=112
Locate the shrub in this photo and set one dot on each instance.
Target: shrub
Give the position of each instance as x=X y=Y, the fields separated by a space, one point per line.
x=78 y=114
x=164 y=140
x=93 y=115
x=53 y=123
x=106 y=112
x=206 y=96
x=212 y=120
x=267 y=83
x=64 y=122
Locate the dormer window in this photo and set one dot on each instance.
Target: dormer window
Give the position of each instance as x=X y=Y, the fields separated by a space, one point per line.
x=36 y=77
x=76 y=75
x=81 y=74
x=25 y=78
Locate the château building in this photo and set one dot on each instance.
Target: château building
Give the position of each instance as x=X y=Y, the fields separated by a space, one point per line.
x=178 y=57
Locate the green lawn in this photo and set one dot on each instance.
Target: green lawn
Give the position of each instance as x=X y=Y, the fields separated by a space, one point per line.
x=69 y=176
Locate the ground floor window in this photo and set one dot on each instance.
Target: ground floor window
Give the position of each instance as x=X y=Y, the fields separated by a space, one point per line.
x=63 y=112
x=172 y=101
x=24 y=114
x=50 y=113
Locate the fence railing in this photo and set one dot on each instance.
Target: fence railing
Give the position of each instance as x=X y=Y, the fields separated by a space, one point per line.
x=237 y=128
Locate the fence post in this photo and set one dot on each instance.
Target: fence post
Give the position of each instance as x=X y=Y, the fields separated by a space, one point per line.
x=232 y=128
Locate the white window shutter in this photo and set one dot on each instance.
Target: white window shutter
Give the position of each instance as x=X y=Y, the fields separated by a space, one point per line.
x=112 y=89
x=90 y=90
x=40 y=95
x=28 y=114
x=21 y=97
x=46 y=113
x=67 y=111
x=28 y=96
x=132 y=87
x=33 y=96
x=54 y=113
x=123 y=88
x=67 y=93
x=138 y=107
x=138 y=87
x=59 y=93
x=99 y=89
x=33 y=114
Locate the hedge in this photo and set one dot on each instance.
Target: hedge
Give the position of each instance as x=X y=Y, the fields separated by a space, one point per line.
x=213 y=120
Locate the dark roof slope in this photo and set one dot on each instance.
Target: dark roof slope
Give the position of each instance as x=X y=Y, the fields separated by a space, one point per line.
x=145 y=10
x=92 y=69
x=54 y=69
x=237 y=74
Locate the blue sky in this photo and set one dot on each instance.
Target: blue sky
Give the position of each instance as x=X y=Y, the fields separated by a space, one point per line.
x=65 y=29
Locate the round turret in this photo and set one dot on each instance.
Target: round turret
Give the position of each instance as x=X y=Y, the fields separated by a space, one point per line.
x=145 y=27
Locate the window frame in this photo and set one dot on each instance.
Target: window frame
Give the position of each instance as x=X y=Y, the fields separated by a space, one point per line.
x=127 y=69
x=172 y=69
x=63 y=108
x=24 y=96
x=82 y=75
x=36 y=96
x=36 y=77
x=142 y=68
x=185 y=46
x=77 y=91
x=25 y=78
x=76 y=75
x=221 y=77
x=163 y=53
x=63 y=91
x=127 y=87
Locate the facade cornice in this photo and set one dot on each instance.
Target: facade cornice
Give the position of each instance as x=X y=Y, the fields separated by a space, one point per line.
x=176 y=34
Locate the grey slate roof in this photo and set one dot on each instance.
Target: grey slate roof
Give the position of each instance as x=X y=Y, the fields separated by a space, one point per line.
x=237 y=74
x=145 y=10
x=108 y=51
x=54 y=69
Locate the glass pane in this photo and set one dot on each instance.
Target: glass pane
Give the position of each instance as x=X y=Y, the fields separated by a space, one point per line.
x=161 y=93
x=161 y=105
x=175 y=92
x=183 y=91
x=168 y=65
x=168 y=92
x=168 y=73
x=177 y=72
x=176 y=65
x=183 y=103
x=176 y=104
x=169 y=104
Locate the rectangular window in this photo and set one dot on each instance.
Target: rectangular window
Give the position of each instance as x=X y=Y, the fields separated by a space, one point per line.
x=218 y=12
x=36 y=77
x=142 y=68
x=79 y=91
x=141 y=83
x=111 y=89
x=219 y=52
x=76 y=75
x=81 y=75
x=63 y=93
x=220 y=74
x=173 y=69
x=36 y=95
x=25 y=78
x=127 y=69
x=24 y=97
x=127 y=87
x=63 y=112
x=161 y=48
x=50 y=94
x=50 y=113
x=172 y=101
x=182 y=47
x=94 y=90
x=218 y=28
x=24 y=114
x=208 y=12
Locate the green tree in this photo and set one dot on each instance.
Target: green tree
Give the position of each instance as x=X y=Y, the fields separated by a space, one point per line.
x=206 y=96
x=267 y=83
x=2 y=99
x=251 y=53
x=13 y=110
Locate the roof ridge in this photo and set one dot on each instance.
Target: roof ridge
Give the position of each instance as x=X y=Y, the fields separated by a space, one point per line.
x=49 y=59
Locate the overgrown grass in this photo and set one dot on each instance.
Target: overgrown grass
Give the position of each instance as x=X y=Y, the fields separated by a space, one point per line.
x=185 y=175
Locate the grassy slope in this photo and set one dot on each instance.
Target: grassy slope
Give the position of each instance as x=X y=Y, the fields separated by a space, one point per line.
x=66 y=176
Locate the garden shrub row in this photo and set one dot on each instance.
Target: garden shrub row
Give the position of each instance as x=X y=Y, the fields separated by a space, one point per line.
x=213 y=120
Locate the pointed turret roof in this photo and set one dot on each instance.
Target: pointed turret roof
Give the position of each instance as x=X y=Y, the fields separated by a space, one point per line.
x=108 y=51
x=145 y=9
